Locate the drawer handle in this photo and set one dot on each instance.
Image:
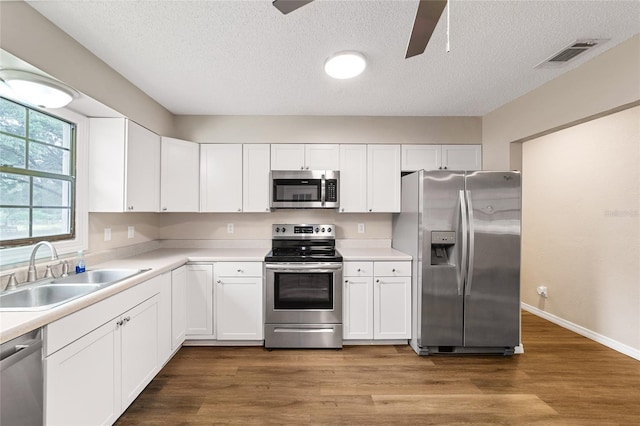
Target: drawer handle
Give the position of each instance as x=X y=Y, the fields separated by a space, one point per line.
x=359 y=270
x=393 y=270
x=219 y=281
x=240 y=271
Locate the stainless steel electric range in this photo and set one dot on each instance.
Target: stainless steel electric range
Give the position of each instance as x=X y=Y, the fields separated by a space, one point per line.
x=303 y=292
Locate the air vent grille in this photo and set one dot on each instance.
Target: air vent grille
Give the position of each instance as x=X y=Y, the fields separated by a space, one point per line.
x=569 y=53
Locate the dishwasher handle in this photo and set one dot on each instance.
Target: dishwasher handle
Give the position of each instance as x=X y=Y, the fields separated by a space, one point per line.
x=14 y=351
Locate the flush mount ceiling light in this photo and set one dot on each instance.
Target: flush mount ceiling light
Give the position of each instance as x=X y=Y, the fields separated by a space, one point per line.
x=345 y=64
x=37 y=89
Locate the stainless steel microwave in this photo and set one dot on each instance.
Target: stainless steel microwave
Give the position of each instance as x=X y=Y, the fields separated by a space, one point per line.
x=305 y=189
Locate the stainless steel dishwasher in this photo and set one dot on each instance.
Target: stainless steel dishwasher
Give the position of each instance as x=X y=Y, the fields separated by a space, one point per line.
x=21 y=392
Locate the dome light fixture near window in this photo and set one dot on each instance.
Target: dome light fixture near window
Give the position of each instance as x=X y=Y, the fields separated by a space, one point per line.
x=343 y=65
x=37 y=90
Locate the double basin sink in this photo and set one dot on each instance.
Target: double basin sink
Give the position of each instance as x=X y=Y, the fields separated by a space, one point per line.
x=52 y=292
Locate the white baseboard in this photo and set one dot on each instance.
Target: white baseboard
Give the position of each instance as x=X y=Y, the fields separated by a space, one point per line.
x=607 y=341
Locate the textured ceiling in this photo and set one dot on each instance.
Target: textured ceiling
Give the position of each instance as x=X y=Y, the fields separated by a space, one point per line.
x=245 y=57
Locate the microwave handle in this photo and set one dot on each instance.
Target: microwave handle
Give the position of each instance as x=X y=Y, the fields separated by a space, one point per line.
x=322 y=190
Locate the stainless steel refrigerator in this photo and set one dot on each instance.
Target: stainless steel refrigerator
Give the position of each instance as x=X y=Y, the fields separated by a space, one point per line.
x=463 y=231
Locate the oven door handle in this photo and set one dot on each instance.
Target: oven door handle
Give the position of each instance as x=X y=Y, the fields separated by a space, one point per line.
x=292 y=267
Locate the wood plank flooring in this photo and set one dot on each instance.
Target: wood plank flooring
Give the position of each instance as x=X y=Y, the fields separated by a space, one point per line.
x=562 y=378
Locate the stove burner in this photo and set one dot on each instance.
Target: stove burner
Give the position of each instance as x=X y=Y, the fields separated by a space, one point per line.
x=303 y=243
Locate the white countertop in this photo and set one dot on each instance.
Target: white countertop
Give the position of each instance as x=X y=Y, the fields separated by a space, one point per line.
x=14 y=324
x=364 y=253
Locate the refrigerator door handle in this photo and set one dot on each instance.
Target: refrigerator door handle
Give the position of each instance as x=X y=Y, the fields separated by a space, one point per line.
x=471 y=244
x=463 y=259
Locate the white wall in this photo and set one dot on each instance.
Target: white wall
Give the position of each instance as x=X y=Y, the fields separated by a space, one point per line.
x=581 y=227
x=604 y=83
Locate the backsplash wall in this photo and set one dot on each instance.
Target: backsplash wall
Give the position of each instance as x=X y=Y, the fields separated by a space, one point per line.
x=250 y=226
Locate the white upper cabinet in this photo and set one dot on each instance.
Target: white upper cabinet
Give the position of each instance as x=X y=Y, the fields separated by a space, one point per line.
x=418 y=157
x=179 y=176
x=255 y=177
x=353 y=178
x=441 y=157
x=305 y=157
x=124 y=167
x=221 y=178
x=383 y=178
x=462 y=157
x=322 y=157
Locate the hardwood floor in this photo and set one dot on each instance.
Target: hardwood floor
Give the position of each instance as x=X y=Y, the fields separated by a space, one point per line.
x=562 y=378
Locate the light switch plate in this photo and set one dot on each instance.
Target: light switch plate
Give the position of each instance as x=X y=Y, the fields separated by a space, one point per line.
x=229 y=228
x=361 y=228
x=107 y=234
x=131 y=232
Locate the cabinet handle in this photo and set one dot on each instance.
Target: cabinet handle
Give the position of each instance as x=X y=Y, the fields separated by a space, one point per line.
x=219 y=281
x=370 y=209
x=164 y=209
x=240 y=271
x=342 y=209
x=393 y=270
x=377 y=281
x=126 y=320
x=445 y=167
x=119 y=323
x=359 y=270
x=301 y=167
x=239 y=210
x=130 y=208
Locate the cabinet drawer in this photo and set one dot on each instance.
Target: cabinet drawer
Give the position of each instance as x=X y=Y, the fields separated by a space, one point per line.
x=357 y=269
x=392 y=269
x=238 y=269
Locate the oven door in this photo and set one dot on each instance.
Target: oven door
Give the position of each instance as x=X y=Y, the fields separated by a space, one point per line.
x=303 y=293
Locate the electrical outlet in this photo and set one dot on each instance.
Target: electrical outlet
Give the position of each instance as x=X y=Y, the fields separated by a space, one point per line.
x=229 y=228
x=131 y=232
x=361 y=228
x=107 y=234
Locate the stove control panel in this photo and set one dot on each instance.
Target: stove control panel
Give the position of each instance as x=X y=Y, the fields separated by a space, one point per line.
x=303 y=231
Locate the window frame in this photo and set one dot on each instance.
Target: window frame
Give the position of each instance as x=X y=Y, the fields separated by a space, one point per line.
x=77 y=238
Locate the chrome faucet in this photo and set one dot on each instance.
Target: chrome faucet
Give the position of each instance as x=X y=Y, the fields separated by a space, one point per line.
x=32 y=274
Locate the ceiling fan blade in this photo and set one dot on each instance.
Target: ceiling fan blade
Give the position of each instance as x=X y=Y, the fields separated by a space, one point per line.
x=427 y=17
x=286 y=6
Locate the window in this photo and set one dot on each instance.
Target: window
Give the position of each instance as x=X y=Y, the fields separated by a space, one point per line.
x=37 y=176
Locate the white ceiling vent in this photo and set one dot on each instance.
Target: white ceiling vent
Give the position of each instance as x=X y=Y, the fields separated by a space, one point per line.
x=569 y=53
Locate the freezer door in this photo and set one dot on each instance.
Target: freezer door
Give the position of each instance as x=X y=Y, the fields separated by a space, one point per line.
x=492 y=289
x=442 y=291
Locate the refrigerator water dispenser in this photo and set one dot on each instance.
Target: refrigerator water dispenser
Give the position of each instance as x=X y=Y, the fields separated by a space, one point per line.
x=442 y=243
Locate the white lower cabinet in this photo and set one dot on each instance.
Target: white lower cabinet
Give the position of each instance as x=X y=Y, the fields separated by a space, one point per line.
x=178 y=307
x=377 y=300
x=199 y=292
x=238 y=300
x=92 y=380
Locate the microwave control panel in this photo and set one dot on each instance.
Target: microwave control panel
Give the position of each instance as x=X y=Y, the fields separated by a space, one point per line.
x=331 y=190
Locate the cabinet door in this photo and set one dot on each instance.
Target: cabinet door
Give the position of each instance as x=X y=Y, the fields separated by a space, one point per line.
x=255 y=177
x=82 y=383
x=143 y=169
x=107 y=164
x=200 y=300
x=164 y=317
x=419 y=157
x=383 y=178
x=287 y=156
x=221 y=177
x=178 y=306
x=322 y=157
x=179 y=176
x=358 y=308
x=462 y=157
x=392 y=308
x=353 y=178
x=139 y=342
x=239 y=308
